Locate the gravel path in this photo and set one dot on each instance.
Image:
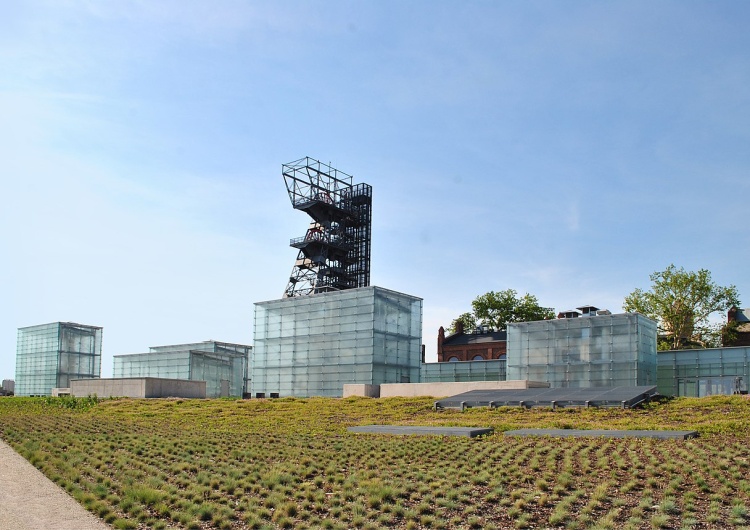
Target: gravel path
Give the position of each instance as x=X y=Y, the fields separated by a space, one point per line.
x=30 y=501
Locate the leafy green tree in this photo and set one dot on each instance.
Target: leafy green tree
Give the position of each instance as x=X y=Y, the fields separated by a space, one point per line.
x=682 y=303
x=496 y=309
x=729 y=333
x=468 y=320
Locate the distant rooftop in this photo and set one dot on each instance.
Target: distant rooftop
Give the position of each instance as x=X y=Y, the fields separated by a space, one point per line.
x=741 y=315
x=476 y=338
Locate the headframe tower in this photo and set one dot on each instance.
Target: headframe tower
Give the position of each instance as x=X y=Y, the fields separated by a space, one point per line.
x=334 y=254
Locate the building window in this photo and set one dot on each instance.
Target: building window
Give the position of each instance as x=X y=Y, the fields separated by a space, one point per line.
x=478 y=358
x=453 y=360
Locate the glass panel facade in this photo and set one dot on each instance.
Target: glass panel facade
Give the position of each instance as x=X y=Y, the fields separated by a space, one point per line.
x=493 y=370
x=169 y=365
x=605 y=350
x=213 y=368
x=313 y=345
x=698 y=373
x=691 y=373
x=212 y=362
x=51 y=355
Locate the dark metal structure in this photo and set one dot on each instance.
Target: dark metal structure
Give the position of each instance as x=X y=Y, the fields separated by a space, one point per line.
x=620 y=397
x=334 y=254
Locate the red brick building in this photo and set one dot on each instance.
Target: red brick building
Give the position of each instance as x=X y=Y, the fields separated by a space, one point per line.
x=742 y=329
x=471 y=346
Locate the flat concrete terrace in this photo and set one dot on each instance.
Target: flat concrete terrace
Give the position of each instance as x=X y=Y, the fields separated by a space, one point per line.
x=602 y=433
x=469 y=432
x=30 y=501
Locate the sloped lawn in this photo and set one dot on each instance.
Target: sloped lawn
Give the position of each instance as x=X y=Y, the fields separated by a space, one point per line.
x=289 y=463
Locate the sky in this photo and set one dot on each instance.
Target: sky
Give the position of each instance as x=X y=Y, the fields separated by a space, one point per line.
x=564 y=149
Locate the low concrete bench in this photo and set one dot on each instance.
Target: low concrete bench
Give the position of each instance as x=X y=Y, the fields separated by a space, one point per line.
x=470 y=432
x=603 y=433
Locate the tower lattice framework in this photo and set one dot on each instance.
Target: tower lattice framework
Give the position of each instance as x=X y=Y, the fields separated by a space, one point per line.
x=334 y=254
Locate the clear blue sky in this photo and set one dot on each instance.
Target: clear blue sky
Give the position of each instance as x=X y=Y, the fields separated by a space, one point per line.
x=566 y=149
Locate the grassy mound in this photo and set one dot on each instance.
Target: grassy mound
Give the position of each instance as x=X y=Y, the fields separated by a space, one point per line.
x=290 y=463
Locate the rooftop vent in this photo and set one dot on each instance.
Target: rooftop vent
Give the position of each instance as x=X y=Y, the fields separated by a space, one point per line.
x=588 y=310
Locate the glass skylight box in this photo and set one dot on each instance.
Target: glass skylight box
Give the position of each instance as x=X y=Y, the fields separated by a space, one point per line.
x=50 y=355
x=313 y=345
x=584 y=352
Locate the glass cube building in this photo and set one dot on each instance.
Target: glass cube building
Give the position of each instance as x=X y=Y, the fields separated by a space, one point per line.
x=223 y=366
x=449 y=372
x=604 y=350
x=698 y=373
x=50 y=355
x=313 y=345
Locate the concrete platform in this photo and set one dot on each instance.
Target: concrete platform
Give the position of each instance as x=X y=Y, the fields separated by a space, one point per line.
x=470 y=432
x=595 y=433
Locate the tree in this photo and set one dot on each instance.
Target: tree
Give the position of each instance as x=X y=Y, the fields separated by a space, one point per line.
x=682 y=303
x=729 y=333
x=497 y=309
x=468 y=320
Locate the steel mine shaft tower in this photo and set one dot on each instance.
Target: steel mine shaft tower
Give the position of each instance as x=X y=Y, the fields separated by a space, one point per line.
x=334 y=254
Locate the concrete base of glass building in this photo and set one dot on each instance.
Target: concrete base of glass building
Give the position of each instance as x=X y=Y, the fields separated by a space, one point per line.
x=138 y=387
x=437 y=390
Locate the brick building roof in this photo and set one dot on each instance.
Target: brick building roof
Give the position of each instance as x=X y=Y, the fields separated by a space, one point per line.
x=475 y=338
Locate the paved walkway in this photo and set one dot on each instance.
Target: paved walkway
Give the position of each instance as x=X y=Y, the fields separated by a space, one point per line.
x=30 y=501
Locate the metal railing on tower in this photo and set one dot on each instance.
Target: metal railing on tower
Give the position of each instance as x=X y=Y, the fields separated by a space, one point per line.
x=334 y=254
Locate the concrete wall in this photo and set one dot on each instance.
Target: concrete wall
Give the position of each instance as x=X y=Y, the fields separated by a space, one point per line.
x=362 y=390
x=138 y=387
x=437 y=389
